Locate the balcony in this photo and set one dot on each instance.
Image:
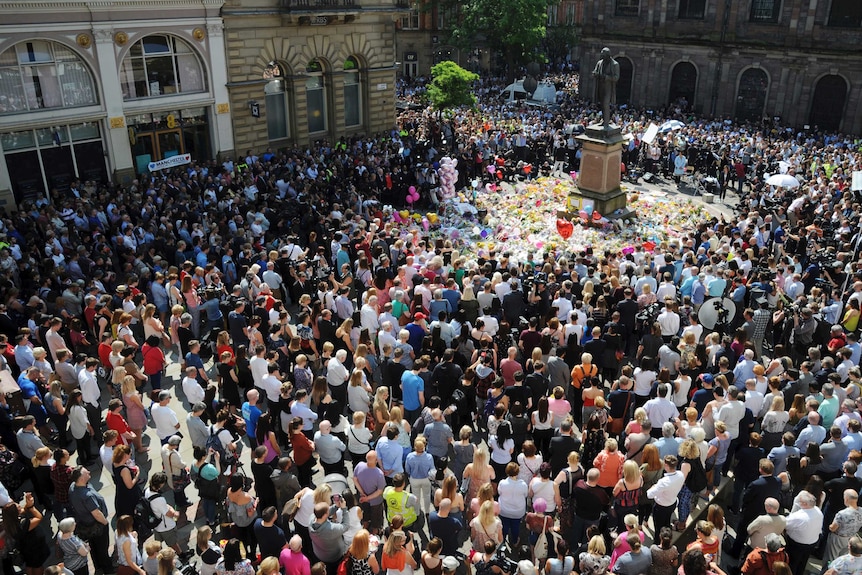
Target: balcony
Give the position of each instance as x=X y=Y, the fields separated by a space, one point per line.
x=320 y=5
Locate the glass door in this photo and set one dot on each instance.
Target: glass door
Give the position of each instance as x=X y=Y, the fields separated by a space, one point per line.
x=170 y=143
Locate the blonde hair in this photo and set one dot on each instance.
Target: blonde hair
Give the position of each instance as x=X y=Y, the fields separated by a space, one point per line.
x=358 y=417
x=640 y=415
x=39 y=352
x=322 y=493
x=269 y=566
x=41 y=453
x=536 y=355
x=611 y=444
x=574 y=458
x=152 y=547
x=486 y=514
x=480 y=457
x=631 y=471
x=688 y=449
x=395 y=415
x=128 y=384
x=596 y=546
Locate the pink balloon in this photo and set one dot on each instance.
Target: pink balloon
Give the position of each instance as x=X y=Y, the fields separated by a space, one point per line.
x=491 y=169
x=426 y=224
x=412 y=189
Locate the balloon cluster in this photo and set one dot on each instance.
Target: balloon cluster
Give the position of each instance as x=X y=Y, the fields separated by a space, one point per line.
x=448 y=177
x=412 y=195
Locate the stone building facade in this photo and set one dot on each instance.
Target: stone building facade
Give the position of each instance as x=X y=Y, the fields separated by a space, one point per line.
x=749 y=59
x=307 y=70
x=98 y=90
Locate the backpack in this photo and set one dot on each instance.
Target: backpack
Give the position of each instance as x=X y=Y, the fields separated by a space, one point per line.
x=214 y=443
x=696 y=479
x=144 y=514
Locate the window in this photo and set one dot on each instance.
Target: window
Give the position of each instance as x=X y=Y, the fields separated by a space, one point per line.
x=628 y=7
x=38 y=75
x=276 y=109
x=445 y=17
x=160 y=66
x=570 y=14
x=846 y=14
x=552 y=15
x=692 y=9
x=766 y=11
x=411 y=21
x=352 y=93
x=315 y=96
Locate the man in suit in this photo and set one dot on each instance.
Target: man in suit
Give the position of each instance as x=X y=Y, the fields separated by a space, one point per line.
x=628 y=309
x=754 y=499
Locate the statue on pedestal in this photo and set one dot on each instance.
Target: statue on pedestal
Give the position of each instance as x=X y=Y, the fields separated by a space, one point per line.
x=607 y=74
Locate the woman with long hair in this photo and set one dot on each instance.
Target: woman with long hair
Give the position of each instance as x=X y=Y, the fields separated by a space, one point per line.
x=80 y=428
x=135 y=415
x=563 y=563
x=362 y=561
x=129 y=560
x=397 y=556
x=478 y=473
x=19 y=521
x=342 y=337
x=303 y=450
x=242 y=509
x=627 y=492
x=651 y=470
x=449 y=490
x=193 y=303
x=594 y=561
x=55 y=405
x=126 y=473
x=665 y=557
x=486 y=526
x=629 y=524
x=380 y=410
x=689 y=457
x=232 y=562
x=266 y=437
x=543 y=427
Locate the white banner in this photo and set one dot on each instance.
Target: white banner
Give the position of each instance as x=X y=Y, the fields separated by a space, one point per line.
x=856 y=184
x=651 y=133
x=171 y=162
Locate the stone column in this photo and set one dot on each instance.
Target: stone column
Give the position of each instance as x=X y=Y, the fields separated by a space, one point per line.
x=222 y=129
x=116 y=131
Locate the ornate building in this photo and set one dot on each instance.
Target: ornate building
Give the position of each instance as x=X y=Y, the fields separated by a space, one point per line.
x=93 y=90
x=305 y=70
x=751 y=59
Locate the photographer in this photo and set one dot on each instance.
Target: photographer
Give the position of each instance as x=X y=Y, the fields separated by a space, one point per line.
x=489 y=563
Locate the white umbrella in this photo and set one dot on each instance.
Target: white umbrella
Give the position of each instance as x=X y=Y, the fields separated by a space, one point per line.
x=783 y=181
x=671 y=125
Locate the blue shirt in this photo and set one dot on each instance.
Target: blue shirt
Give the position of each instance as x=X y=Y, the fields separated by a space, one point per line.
x=28 y=388
x=417 y=334
x=390 y=454
x=250 y=413
x=453 y=296
x=419 y=465
x=194 y=360
x=411 y=385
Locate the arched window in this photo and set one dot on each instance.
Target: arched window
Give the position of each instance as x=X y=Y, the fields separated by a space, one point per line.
x=315 y=97
x=827 y=104
x=277 y=115
x=352 y=93
x=161 y=65
x=624 y=86
x=751 y=94
x=36 y=75
x=683 y=84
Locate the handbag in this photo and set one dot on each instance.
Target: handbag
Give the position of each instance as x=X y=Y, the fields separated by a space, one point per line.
x=616 y=425
x=465 y=486
x=181 y=480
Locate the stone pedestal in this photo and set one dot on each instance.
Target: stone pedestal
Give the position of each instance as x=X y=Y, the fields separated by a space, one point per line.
x=599 y=177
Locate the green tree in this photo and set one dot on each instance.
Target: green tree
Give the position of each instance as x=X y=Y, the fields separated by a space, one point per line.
x=451 y=86
x=515 y=28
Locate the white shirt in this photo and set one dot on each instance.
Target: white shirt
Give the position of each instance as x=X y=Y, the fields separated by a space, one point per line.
x=89 y=387
x=336 y=373
x=106 y=454
x=384 y=337
x=301 y=410
x=804 y=525
x=259 y=369
x=165 y=419
x=272 y=386
x=193 y=390
x=660 y=410
x=564 y=308
x=669 y=322
x=368 y=316
x=731 y=413
x=160 y=508
x=666 y=489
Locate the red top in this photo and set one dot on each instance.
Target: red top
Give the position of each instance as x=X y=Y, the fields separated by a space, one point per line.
x=154 y=359
x=116 y=421
x=302 y=448
x=105 y=354
x=226 y=348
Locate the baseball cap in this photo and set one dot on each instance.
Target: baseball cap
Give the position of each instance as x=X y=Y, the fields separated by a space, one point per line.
x=420 y=315
x=707 y=377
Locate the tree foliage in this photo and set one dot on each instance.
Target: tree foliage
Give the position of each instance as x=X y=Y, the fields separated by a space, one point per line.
x=451 y=86
x=514 y=27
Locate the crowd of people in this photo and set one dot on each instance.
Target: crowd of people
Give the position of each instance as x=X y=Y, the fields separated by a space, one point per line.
x=399 y=399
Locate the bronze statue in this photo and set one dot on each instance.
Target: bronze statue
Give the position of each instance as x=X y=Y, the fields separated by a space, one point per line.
x=607 y=74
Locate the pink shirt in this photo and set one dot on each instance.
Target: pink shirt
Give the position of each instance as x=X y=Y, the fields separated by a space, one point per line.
x=294 y=563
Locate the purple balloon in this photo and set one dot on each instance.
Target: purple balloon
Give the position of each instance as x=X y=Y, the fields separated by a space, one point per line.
x=484 y=234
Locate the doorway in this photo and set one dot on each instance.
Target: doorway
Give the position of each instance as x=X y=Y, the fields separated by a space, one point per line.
x=153 y=146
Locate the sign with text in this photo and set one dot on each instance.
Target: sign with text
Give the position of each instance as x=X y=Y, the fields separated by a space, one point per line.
x=172 y=162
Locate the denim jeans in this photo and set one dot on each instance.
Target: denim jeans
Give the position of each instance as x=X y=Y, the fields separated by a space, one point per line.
x=209 y=510
x=511 y=529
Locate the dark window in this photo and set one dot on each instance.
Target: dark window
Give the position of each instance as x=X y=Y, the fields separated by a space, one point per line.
x=846 y=13
x=692 y=9
x=751 y=95
x=765 y=10
x=624 y=86
x=628 y=7
x=827 y=105
x=683 y=85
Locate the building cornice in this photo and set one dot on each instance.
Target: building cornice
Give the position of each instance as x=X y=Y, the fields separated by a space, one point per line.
x=100 y=5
